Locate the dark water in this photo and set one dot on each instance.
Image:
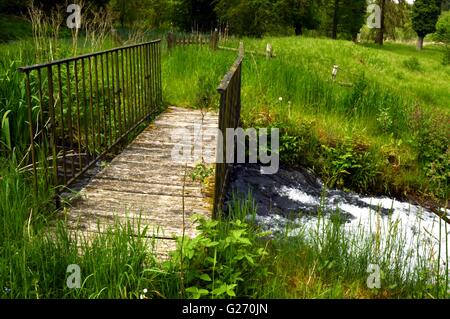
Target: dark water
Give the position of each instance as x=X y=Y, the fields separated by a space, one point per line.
x=292 y=199
x=291 y=191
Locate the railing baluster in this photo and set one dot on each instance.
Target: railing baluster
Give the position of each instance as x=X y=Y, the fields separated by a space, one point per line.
x=84 y=121
x=124 y=91
x=44 y=142
x=70 y=124
x=152 y=76
x=91 y=107
x=142 y=75
x=113 y=96
x=159 y=76
x=118 y=91
x=139 y=85
x=53 y=125
x=105 y=129
x=97 y=105
x=85 y=113
x=63 y=131
x=130 y=86
x=31 y=131
x=109 y=101
x=80 y=158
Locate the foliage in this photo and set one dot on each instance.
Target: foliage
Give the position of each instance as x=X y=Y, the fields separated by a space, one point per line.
x=223 y=261
x=412 y=63
x=443 y=28
x=194 y=15
x=425 y=14
x=249 y=18
x=201 y=172
x=303 y=14
x=345 y=166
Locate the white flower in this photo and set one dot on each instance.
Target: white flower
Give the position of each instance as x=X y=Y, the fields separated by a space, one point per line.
x=145 y=290
x=280 y=99
x=141 y=296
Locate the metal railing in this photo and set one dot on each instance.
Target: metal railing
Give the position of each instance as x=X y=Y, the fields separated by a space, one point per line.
x=229 y=117
x=79 y=108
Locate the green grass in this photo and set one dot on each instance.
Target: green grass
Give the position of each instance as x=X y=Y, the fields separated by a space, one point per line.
x=332 y=127
x=14 y=28
x=391 y=104
x=231 y=257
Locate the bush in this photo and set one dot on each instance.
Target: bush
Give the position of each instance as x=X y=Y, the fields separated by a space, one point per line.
x=443 y=28
x=223 y=261
x=344 y=166
x=446 y=56
x=412 y=64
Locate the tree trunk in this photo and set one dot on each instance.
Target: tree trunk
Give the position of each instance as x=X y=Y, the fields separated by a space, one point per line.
x=420 y=43
x=380 y=37
x=335 y=19
x=298 y=29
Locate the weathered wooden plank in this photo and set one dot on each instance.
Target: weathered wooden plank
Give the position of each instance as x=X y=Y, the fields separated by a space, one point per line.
x=144 y=186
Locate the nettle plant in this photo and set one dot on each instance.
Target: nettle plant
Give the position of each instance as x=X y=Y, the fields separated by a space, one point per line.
x=223 y=261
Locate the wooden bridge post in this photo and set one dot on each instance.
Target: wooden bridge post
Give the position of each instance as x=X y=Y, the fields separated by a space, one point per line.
x=229 y=117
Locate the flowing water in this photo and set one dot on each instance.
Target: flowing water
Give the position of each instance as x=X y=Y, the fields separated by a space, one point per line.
x=292 y=200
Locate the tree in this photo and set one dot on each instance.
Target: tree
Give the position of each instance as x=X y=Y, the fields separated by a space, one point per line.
x=443 y=35
x=443 y=28
x=248 y=17
x=425 y=14
x=299 y=14
x=195 y=15
x=380 y=36
x=353 y=17
x=335 y=24
x=346 y=17
x=397 y=16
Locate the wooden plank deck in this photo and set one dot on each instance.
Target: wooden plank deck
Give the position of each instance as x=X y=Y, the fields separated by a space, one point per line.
x=144 y=184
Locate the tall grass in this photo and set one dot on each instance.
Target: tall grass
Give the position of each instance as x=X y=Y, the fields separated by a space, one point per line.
x=230 y=257
x=233 y=257
x=385 y=119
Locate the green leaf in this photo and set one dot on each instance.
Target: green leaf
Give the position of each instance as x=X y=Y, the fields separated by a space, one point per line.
x=197 y=293
x=6 y=130
x=221 y=290
x=205 y=277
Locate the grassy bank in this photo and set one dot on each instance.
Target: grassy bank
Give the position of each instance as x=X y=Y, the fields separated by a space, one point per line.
x=381 y=127
x=341 y=129
x=231 y=257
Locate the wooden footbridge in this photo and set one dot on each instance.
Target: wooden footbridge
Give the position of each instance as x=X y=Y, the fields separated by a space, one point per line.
x=83 y=108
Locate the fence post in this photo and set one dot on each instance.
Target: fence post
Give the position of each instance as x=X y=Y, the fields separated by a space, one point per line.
x=269 y=51
x=170 y=40
x=215 y=40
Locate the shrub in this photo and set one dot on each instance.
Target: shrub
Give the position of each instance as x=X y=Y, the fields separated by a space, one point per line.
x=223 y=261
x=344 y=166
x=412 y=64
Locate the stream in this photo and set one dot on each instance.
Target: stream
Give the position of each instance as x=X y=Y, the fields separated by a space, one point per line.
x=289 y=202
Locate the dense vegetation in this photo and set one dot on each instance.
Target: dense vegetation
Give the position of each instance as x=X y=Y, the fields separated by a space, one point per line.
x=380 y=127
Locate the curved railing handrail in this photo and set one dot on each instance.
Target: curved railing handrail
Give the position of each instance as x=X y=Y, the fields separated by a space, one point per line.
x=82 y=56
